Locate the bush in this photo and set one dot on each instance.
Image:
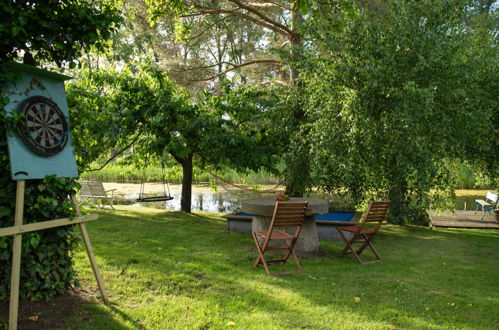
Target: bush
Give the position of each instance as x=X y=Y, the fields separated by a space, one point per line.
x=46 y=264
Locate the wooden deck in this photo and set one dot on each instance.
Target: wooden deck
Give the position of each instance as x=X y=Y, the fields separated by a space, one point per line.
x=462 y=219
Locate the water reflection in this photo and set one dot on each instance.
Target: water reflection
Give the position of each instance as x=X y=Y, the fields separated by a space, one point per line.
x=224 y=202
x=203 y=197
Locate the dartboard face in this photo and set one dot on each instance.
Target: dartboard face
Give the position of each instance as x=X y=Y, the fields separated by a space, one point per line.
x=44 y=128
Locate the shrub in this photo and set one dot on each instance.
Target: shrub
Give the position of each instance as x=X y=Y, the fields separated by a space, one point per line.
x=47 y=265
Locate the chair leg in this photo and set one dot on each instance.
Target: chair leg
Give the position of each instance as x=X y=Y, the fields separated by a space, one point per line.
x=378 y=257
x=110 y=203
x=356 y=253
x=365 y=245
x=98 y=203
x=291 y=246
x=357 y=256
x=476 y=208
x=258 y=249
x=347 y=247
x=257 y=262
x=260 y=258
x=295 y=257
x=368 y=243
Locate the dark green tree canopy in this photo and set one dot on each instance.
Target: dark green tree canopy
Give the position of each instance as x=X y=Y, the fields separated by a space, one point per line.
x=397 y=93
x=139 y=105
x=55 y=30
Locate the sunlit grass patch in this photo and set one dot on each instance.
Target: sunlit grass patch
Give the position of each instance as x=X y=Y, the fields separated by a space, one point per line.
x=174 y=270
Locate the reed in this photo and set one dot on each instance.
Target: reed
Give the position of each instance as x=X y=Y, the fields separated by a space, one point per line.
x=116 y=172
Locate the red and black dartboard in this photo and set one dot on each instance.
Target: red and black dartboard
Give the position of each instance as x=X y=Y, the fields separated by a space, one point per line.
x=44 y=128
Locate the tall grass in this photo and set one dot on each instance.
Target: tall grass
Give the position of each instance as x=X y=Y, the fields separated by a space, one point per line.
x=466 y=176
x=125 y=173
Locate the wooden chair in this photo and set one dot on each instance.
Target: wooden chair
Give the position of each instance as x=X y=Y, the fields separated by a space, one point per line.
x=288 y=215
x=94 y=190
x=360 y=234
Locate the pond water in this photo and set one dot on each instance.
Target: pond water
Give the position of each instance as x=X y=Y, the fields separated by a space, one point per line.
x=224 y=202
x=204 y=198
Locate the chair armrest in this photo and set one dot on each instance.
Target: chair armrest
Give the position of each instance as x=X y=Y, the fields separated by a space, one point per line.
x=112 y=191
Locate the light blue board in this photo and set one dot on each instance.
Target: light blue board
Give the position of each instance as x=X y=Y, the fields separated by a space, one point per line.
x=22 y=159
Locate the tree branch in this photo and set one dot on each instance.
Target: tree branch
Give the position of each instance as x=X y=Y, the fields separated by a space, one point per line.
x=263 y=17
x=288 y=34
x=228 y=63
x=269 y=4
x=280 y=82
x=117 y=154
x=240 y=66
x=208 y=28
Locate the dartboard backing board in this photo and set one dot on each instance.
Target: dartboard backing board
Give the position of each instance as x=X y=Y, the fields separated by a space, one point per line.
x=41 y=144
x=43 y=129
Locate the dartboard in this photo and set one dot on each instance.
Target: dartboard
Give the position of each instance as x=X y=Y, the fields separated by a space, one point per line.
x=44 y=128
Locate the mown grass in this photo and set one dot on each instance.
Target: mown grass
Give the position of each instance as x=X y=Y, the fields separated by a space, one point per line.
x=167 y=269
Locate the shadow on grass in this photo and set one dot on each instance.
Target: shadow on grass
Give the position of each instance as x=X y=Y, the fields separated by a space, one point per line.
x=53 y=314
x=168 y=257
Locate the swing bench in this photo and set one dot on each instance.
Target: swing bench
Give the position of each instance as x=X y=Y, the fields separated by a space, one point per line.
x=166 y=189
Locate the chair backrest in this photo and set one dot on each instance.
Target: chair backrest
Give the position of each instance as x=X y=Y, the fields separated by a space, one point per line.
x=288 y=214
x=491 y=197
x=85 y=189
x=376 y=212
x=97 y=188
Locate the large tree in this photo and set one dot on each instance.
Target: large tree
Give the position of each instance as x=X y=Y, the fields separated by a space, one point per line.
x=398 y=90
x=250 y=42
x=144 y=108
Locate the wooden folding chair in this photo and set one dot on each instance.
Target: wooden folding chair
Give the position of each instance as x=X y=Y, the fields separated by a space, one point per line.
x=360 y=234
x=286 y=215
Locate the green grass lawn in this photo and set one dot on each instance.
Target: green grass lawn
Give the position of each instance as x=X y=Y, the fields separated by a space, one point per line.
x=167 y=269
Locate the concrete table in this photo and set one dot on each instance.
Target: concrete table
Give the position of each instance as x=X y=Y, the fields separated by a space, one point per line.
x=263 y=209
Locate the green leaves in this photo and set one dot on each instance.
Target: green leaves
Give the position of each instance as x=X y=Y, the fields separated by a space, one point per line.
x=56 y=30
x=44 y=200
x=397 y=99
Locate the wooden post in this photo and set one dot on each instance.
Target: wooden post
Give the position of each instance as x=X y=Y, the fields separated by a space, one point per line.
x=90 y=253
x=17 y=231
x=16 y=257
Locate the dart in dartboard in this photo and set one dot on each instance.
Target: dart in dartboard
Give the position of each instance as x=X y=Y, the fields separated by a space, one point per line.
x=43 y=129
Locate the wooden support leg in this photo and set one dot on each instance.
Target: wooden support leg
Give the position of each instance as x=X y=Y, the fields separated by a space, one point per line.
x=91 y=256
x=16 y=258
x=93 y=262
x=14 y=281
x=347 y=246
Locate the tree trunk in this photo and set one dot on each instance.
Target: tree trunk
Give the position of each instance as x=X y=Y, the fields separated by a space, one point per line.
x=186 y=195
x=397 y=195
x=186 y=200
x=298 y=163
